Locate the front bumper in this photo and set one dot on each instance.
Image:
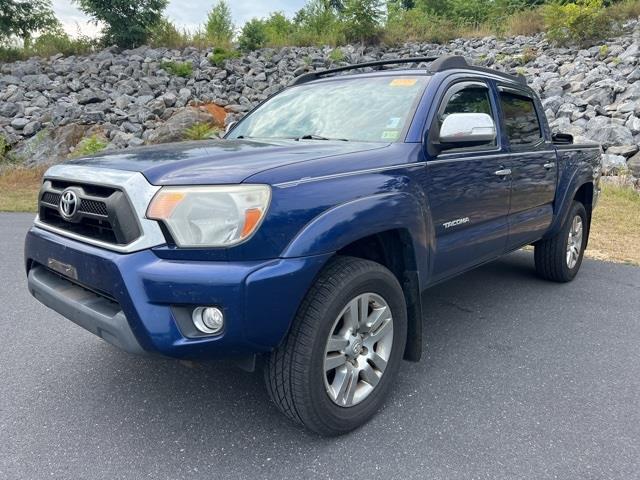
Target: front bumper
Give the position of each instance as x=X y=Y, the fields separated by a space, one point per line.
x=130 y=300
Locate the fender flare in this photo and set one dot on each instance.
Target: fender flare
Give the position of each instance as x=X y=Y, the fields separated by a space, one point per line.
x=576 y=182
x=348 y=222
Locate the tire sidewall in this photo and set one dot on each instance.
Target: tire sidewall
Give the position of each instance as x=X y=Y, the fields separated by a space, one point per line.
x=342 y=419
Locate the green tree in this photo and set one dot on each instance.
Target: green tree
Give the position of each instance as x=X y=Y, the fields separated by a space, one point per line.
x=253 y=35
x=278 y=29
x=127 y=22
x=362 y=19
x=219 y=26
x=24 y=18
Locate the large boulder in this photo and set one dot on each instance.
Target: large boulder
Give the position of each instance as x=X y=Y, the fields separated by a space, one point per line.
x=607 y=132
x=173 y=130
x=50 y=146
x=624 y=150
x=613 y=164
x=634 y=165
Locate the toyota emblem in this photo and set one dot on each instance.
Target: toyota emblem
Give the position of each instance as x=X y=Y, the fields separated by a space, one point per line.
x=69 y=203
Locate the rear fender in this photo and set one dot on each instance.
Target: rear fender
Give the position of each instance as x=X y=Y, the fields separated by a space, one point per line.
x=566 y=192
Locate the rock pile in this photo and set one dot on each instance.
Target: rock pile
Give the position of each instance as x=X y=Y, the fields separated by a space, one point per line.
x=131 y=97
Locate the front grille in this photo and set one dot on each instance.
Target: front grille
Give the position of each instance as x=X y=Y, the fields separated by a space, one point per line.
x=88 y=227
x=87 y=205
x=102 y=213
x=51 y=198
x=92 y=206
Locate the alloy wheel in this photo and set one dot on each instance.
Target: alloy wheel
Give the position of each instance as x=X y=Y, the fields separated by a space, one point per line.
x=574 y=243
x=358 y=349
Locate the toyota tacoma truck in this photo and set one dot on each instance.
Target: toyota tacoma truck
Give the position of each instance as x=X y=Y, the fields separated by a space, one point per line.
x=305 y=238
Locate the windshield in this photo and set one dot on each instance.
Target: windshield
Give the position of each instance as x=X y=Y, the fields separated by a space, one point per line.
x=375 y=109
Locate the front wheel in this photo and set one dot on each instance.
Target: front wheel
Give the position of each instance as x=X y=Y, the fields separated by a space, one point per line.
x=559 y=258
x=344 y=349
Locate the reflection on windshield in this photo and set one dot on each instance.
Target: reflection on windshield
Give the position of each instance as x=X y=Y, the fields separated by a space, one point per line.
x=373 y=109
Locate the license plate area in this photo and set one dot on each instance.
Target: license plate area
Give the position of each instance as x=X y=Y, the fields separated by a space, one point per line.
x=64 y=269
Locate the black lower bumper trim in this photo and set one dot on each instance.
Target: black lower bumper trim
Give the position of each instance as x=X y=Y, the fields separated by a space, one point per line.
x=95 y=313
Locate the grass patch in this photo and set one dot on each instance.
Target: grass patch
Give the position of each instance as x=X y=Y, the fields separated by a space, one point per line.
x=615 y=231
x=201 y=131
x=19 y=188
x=89 y=146
x=180 y=69
x=220 y=55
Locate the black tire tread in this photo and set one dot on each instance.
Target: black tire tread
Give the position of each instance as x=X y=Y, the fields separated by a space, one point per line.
x=549 y=254
x=284 y=366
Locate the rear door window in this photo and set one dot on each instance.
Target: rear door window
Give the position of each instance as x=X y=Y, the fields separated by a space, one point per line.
x=520 y=119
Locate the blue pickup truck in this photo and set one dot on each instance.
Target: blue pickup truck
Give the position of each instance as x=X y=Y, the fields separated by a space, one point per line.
x=306 y=237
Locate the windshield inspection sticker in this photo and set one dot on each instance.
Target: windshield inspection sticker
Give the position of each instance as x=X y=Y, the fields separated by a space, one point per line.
x=393 y=123
x=390 y=135
x=403 y=82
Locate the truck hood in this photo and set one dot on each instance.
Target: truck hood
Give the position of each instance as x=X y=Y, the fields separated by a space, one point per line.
x=219 y=161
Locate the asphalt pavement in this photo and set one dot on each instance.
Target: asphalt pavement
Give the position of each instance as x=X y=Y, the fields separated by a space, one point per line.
x=522 y=379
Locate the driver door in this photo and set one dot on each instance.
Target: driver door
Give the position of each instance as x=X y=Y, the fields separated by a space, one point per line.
x=468 y=188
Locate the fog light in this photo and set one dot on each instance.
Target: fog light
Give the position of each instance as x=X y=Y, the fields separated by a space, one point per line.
x=208 y=319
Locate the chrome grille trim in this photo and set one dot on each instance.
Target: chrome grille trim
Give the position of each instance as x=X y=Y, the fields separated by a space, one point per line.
x=135 y=186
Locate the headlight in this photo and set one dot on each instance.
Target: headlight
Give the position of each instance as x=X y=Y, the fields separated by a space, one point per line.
x=217 y=216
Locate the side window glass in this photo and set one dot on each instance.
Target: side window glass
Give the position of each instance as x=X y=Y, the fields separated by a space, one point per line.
x=469 y=99
x=520 y=119
x=472 y=99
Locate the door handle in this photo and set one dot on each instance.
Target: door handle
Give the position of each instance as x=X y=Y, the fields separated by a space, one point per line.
x=549 y=165
x=504 y=172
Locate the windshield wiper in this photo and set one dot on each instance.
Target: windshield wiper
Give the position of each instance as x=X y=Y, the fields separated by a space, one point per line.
x=319 y=137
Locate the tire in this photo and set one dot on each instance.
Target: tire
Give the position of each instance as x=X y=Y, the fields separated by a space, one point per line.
x=295 y=373
x=552 y=258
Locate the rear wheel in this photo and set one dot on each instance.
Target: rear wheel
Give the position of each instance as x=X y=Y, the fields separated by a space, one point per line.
x=344 y=349
x=559 y=258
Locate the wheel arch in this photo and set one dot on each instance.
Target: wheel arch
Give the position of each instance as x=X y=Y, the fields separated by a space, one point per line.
x=390 y=229
x=581 y=190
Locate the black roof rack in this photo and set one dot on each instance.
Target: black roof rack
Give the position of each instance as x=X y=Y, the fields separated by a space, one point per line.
x=438 y=64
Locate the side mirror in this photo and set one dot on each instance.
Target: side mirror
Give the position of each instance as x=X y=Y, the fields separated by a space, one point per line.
x=467 y=129
x=229 y=127
x=562 y=139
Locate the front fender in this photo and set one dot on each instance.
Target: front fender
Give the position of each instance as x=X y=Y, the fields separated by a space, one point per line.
x=351 y=221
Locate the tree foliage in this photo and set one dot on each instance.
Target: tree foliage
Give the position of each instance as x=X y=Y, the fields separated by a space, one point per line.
x=128 y=23
x=219 y=25
x=24 y=18
x=362 y=19
x=253 y=36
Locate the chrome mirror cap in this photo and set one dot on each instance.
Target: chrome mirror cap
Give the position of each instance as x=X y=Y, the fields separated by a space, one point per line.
x=467 y=128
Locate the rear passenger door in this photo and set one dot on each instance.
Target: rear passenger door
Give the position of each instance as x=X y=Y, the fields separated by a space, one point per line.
x=533 y=164
x=468 y=191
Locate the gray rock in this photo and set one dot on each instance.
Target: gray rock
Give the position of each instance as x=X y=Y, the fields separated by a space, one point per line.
x=50 y=146
x=31 y=128
x=613 y=164
x=174 y=129
x=19 y=123
x=87 y=96
x=634 y=165
x=623 y=150
x=8 y=109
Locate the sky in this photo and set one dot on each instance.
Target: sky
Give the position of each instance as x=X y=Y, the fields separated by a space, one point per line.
x=189 y=14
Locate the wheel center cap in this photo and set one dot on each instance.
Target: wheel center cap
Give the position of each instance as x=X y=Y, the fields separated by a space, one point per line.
x=356 y=347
